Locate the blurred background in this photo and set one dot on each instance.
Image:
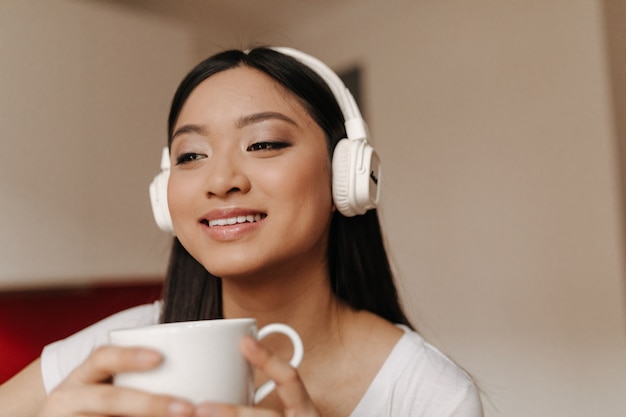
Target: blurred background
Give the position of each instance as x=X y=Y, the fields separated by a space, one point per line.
x=501 y=126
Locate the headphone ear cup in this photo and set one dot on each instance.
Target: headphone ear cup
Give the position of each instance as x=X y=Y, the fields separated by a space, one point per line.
x=356 y=177
x=342 y=168
x=158 y=199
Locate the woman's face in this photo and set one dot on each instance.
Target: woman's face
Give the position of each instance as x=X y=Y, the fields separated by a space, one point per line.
x=249 y=189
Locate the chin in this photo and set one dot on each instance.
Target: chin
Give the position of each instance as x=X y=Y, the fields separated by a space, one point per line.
x=231 y=268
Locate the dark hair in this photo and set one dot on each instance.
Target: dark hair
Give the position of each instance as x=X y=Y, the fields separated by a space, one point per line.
x=360 y=274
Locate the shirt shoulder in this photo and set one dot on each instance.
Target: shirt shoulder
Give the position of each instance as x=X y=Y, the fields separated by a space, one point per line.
x=417 y=379
x=59 y=359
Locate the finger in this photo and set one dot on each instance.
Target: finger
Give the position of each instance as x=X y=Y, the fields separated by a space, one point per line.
x=289 y=386
x=106 y=361
x=225 y=410
x=105 y=399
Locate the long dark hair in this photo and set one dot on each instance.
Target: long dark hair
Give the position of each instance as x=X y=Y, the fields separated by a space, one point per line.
x=360 y=274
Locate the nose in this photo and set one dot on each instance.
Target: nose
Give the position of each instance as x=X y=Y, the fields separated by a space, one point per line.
x=225 y=176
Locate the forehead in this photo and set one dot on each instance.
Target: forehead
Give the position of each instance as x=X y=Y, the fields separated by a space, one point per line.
x=239 y=91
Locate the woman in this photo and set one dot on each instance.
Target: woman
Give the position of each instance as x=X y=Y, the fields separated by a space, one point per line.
x=251 y=137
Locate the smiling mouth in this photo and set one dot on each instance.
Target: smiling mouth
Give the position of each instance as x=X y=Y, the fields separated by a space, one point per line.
x=230 y=221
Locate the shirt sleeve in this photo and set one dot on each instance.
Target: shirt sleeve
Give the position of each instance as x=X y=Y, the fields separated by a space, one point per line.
x=436 y=387
x=418 y=380
x=467 y=403
x=60 y=358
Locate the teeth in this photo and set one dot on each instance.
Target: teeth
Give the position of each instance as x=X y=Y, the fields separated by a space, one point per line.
x=235 y=220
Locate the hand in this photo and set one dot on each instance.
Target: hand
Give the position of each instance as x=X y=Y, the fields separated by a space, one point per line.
x=87 y=391
x=289 y=387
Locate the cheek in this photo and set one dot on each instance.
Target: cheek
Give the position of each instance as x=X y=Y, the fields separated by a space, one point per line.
x=178 y=196
x=303 y=180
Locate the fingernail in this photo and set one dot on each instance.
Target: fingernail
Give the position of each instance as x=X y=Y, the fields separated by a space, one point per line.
x=180 y=409
x=251 y=344
x=148 y=357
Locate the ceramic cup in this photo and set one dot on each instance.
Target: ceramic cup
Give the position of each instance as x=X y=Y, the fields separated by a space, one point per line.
x=202 y=359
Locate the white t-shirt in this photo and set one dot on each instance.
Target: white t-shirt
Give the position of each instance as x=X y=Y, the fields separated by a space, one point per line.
x=416 y=380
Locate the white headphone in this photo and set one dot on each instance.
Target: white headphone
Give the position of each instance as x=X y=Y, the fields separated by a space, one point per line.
x=356 y=169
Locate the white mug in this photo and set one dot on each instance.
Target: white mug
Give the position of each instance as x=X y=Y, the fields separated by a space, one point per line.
x=202 y=361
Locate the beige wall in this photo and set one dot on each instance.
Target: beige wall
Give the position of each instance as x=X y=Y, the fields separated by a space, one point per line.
x=497 y=125
x=84 y=97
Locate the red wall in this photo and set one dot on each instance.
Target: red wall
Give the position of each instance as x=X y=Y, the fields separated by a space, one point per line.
x=30 y=320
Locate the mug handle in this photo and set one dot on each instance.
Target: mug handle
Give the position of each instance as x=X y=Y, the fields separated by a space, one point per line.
x=298 y=351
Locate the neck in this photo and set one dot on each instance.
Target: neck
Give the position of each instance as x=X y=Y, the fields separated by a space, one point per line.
x=302 y=300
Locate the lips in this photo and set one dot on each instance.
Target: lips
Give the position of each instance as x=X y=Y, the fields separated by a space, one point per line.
x=231 y=224
x=229 y=221
x=231 y=218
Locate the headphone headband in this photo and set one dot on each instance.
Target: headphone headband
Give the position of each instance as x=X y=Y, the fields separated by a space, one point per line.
x=355 y=125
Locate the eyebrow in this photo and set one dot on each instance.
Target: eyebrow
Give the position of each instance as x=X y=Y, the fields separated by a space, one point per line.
x=198 y=129
x=263 y=116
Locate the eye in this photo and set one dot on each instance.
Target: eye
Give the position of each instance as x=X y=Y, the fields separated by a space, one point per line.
x=266 y=146
x=188 y=157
